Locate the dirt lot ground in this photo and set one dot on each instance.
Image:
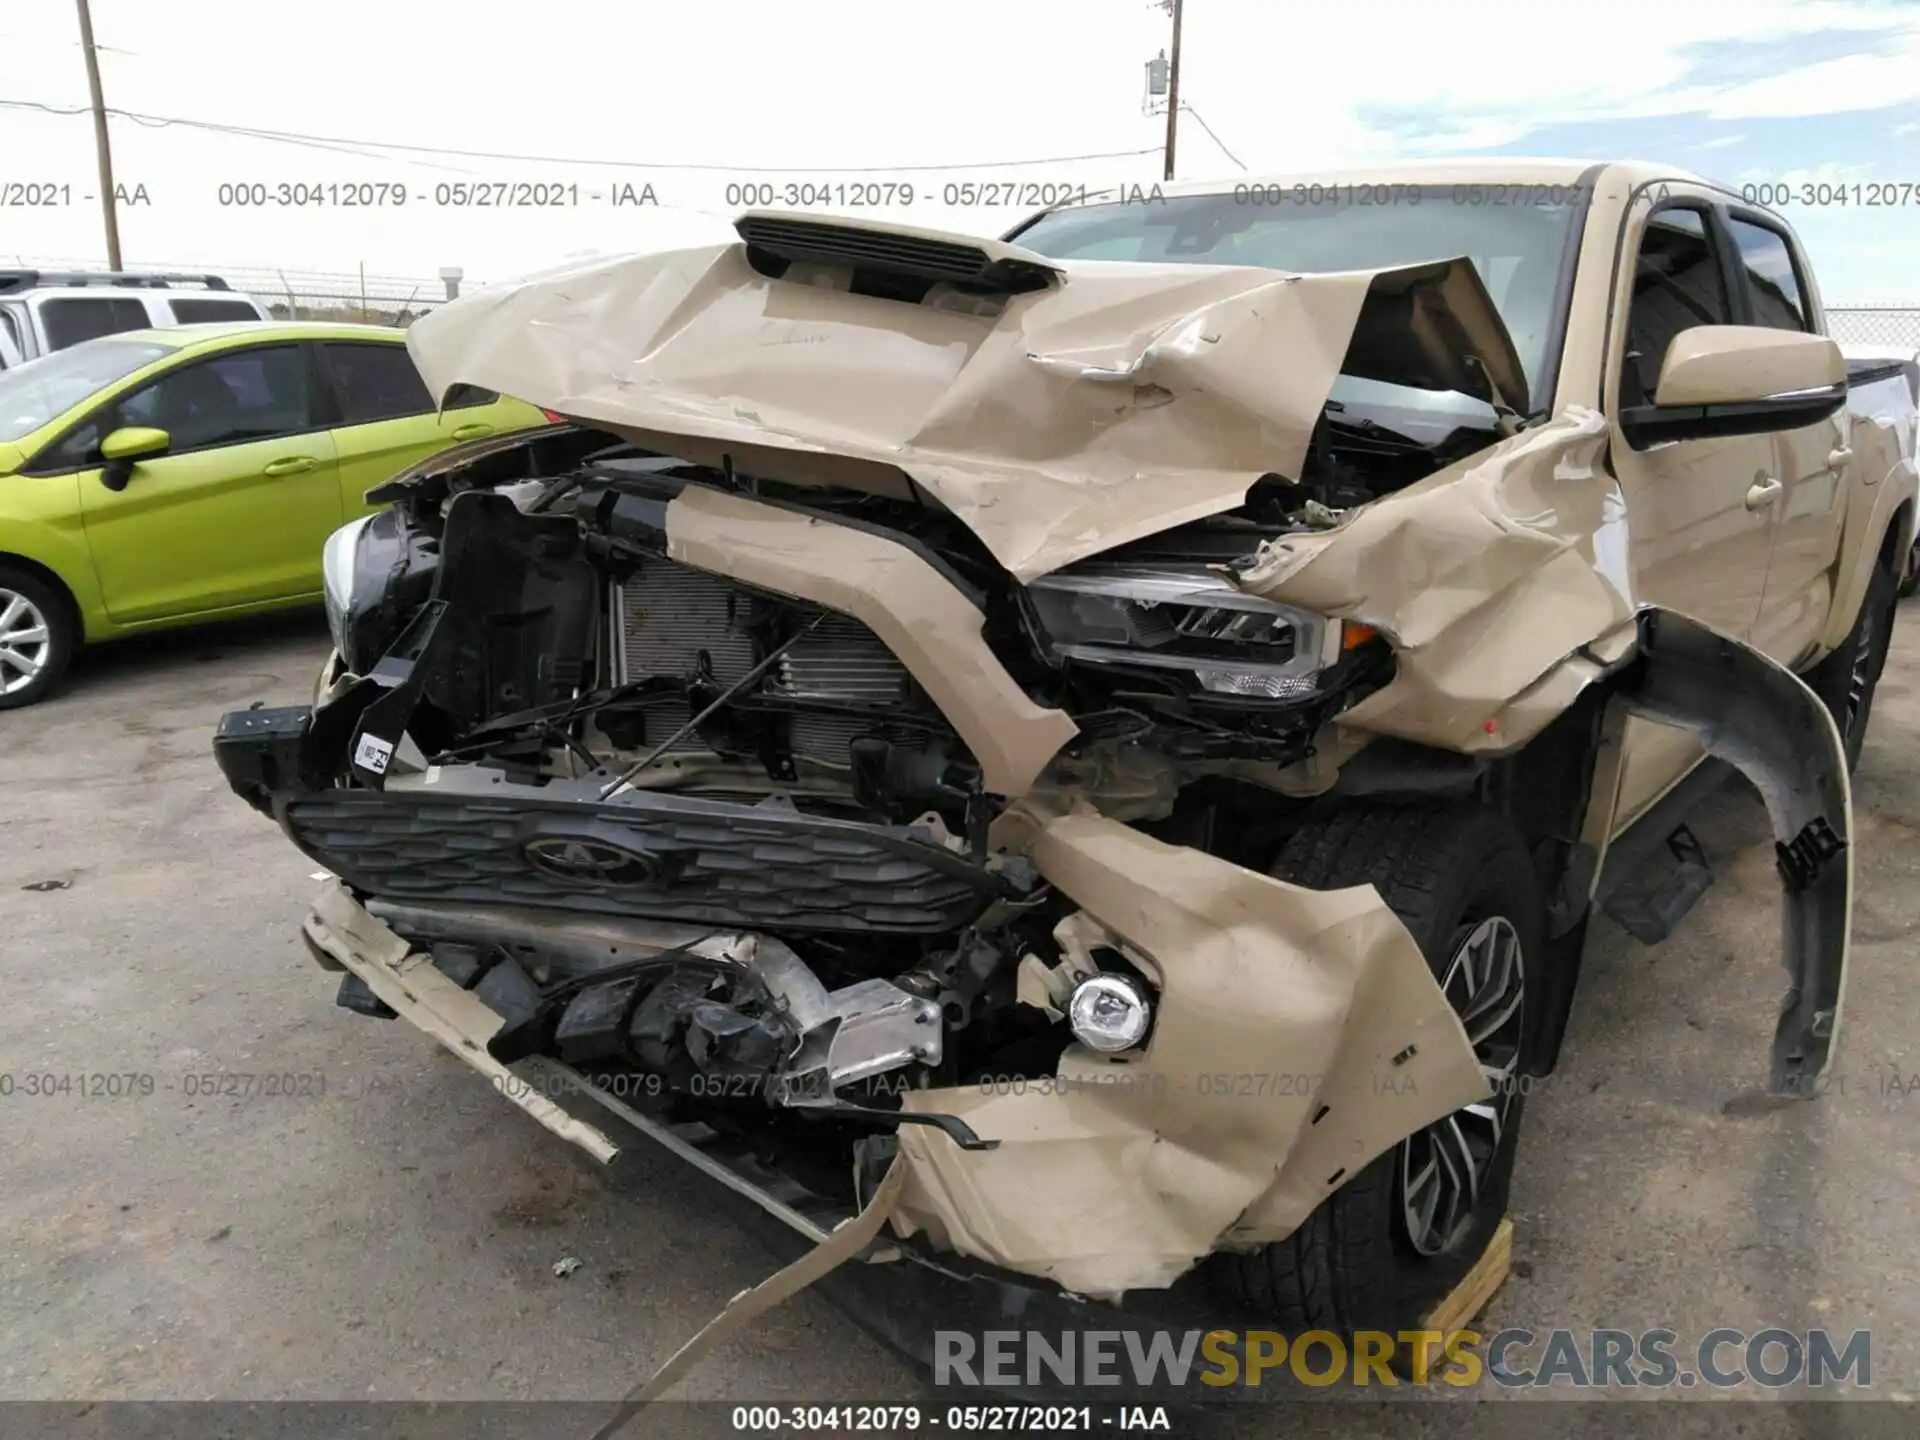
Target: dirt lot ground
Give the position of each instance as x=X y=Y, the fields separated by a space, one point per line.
x=395 y=1236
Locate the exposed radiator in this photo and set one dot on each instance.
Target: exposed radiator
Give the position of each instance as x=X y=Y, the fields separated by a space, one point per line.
x=667 y=614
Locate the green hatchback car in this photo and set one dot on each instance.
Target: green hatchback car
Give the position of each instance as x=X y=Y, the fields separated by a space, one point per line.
x=162 y=477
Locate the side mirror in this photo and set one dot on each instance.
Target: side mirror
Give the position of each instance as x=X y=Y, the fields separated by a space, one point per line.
x=1739 y=380
x=127 y=446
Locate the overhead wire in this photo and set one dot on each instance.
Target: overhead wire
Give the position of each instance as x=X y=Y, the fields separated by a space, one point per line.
x=304 y=138
x=1200 y=120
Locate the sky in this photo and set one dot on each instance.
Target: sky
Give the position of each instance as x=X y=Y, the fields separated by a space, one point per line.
x=650 y=117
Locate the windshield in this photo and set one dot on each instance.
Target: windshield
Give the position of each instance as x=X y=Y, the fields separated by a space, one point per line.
x=44 y=389
x=1516 y=236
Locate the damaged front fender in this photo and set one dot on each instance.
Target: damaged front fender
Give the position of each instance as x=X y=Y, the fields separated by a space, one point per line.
x=1504 y=586
x=1299 y=1034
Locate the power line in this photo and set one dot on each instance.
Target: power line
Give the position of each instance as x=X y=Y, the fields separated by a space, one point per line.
x=1210 y=135
x=300 y=138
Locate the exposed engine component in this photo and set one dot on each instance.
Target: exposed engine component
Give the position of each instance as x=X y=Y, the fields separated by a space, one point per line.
x=672 y=623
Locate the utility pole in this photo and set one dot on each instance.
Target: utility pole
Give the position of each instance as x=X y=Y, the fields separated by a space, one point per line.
x=105 y=154
x=1173 y=84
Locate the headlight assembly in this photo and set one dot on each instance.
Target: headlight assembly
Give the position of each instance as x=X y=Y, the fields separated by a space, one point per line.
x=375 y=572
x=1187 y=619
x=337 y=575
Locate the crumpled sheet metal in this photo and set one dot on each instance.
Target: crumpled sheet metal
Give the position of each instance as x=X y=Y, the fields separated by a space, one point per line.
x=1488 y=577
x=1129 y=1173
x=1125 y=400
x=920 y=616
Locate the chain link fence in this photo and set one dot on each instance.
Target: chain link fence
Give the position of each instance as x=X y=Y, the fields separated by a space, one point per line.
x=357 y=296
x=1875 y=324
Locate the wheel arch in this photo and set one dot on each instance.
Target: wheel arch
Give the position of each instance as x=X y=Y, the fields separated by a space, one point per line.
x=1884 y=523
x=57 y=582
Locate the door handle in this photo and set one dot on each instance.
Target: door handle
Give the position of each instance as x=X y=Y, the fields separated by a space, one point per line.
x=291 y=465
x=472 y=432
x=1763 y=494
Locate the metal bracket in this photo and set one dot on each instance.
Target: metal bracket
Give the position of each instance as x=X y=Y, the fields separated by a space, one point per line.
x=1801 y=859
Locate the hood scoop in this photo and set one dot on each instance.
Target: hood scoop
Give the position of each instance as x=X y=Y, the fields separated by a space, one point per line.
x=894 y=253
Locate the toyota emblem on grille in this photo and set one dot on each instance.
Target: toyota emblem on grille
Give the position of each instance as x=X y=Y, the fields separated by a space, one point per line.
x=591 y=862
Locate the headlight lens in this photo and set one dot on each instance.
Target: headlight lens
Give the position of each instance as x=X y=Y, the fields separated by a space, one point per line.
x=1188 y=619
x=337 y=577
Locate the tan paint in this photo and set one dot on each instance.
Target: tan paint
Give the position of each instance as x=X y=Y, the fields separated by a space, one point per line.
x=1130 y=1171
x=1486 y=576
x=910 y=605
x=1723 y=364
x=1127 y=399
x=1883 y=457
x=849 y=1238
x=411 y=985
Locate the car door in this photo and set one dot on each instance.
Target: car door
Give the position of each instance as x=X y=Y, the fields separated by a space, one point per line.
x=235 y=511
x=1809 y=461
x=385 y=418
x=472 y=413
x=1699 y=515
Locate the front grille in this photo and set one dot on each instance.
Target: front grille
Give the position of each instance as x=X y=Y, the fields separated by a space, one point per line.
x=697 y=861
x=671 y=620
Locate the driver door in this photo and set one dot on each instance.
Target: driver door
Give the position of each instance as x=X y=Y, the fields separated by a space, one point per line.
x=235 y=511
x=1697 y=541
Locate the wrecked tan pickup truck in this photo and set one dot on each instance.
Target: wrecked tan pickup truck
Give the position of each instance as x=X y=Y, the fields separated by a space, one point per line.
x=1101 y=747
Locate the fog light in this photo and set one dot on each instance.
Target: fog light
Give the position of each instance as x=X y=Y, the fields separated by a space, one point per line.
x=1109 y=1012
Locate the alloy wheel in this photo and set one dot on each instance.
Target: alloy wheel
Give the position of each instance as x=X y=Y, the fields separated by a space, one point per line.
x=26 y=644
x=1444 y=1167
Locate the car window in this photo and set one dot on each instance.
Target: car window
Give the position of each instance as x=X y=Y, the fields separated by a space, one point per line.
x=192 y=311
x=44 y=389
x=68 y=321
x=230 y=399
x=1771 y=280
x=462 y=397
x=1676 y=285
x=376 y=382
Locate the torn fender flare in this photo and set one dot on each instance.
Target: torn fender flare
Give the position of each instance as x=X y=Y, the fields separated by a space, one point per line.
x=1763 y=720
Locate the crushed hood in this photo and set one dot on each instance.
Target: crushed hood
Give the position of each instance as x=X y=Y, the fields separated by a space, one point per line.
x=1058 y=408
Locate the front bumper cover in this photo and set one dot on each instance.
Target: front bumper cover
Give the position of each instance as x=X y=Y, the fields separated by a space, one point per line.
x=1124 y=1172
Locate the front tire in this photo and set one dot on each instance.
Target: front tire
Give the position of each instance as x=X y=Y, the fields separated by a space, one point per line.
x=38 y=633
x=1405 y=1228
